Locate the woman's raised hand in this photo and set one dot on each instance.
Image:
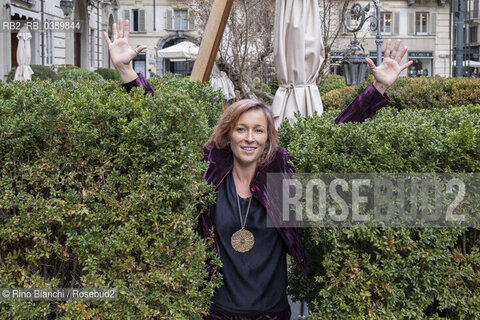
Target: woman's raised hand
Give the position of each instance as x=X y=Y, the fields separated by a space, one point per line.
x=120 y=51
x=387 y=73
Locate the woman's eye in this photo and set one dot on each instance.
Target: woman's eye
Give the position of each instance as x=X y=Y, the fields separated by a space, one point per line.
x=260 y=130
x=240 y=129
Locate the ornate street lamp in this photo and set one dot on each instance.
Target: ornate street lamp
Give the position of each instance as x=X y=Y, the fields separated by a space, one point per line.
x=67 y=6
x=354 y=65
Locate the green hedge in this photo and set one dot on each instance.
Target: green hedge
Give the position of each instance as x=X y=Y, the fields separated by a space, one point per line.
x=273 y=83
x=100 y=188
x=427 y=92
x=39 y=73
x=333 y=100
x=108 y=74
x=262 y=86
x=390 y=273
x=330 y=83
x=203 y=96
x=67 y=72
x=59 y=68
x=79 y=74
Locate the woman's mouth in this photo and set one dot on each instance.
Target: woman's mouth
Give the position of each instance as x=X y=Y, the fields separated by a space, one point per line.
x=248 y=149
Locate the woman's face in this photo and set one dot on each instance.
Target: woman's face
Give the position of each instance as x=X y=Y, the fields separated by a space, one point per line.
x=249 y=137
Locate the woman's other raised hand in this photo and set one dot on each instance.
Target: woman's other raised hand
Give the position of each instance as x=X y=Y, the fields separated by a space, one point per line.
x=120 y=51
x=388 y=71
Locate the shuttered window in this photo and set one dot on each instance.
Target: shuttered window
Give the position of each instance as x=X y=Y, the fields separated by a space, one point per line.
x=411 y=23
x=169 y=20
x=386 y=22
x=433 y=23
x=180 y=19
x=138 y=20
x=421 y=23
x=396 y=23
x=141 y=20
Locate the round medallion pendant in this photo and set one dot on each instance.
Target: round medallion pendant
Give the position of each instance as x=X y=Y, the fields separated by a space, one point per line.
x=242 y=240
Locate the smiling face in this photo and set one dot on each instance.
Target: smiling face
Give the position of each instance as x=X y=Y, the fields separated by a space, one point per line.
x=248 y=137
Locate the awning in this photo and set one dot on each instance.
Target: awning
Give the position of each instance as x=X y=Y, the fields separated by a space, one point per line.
x=24 y=12
x=469 y=63
x=182 y=51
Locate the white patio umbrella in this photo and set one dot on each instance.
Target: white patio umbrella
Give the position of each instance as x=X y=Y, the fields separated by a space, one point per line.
x=182 y=51
x=24 y=53
x=298 y=55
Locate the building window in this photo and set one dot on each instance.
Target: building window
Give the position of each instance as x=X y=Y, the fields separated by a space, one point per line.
x=473 y=34
x=135 y=20
x=180 y=19
x=421 y=23
x=386 y=23
x=138 y=20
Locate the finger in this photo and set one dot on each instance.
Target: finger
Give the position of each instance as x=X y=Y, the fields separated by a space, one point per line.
x=395 y=49
x=400 y=57
x=139 y=49
x=105 y=35
x=126 y=32
x=370 y=63
x=387 y=49
x=120 y=28
x=114 y=30
x=406 y=65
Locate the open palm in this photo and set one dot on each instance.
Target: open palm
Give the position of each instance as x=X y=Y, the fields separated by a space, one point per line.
x=387 y=73
x=120 y=51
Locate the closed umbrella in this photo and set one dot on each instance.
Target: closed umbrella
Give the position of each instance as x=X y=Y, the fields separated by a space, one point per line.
x=298 y=55
x=220 y=80
x=24 y=53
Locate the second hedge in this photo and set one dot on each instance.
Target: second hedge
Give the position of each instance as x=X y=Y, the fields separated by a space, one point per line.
x=425 y=93
x=390 y=273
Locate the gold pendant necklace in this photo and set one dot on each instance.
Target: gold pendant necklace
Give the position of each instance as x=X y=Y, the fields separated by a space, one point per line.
x=242 y=240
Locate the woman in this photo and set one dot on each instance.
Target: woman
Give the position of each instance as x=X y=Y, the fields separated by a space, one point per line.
x=241 y=151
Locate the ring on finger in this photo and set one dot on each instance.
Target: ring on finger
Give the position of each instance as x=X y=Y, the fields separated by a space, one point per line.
x=136 y=50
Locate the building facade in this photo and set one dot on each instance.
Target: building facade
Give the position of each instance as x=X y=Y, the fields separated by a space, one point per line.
x=159 y=24
x=422 y=25
x=80 y=44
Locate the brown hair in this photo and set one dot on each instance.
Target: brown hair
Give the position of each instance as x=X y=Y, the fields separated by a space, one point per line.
x=221 y=134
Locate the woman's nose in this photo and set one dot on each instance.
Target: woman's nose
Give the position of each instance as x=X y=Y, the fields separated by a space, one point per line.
x=249 y=136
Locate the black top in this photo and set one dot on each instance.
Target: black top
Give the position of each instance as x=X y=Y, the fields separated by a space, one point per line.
x=254 y=282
